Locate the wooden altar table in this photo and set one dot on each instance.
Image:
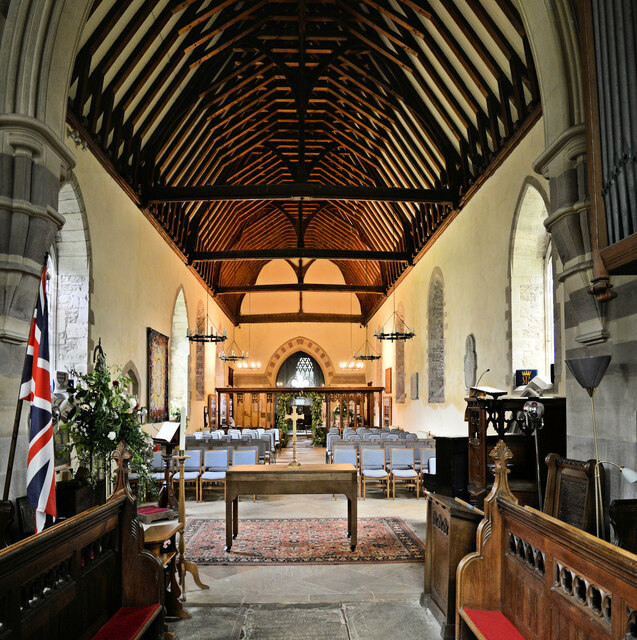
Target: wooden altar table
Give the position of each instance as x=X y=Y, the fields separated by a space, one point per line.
x=275 y=480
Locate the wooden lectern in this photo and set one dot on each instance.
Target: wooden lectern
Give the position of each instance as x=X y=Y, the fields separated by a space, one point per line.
x=167 y=438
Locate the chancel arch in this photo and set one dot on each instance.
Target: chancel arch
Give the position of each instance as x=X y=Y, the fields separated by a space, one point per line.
x=531 y=284
x=179 y=355
x=290 y=347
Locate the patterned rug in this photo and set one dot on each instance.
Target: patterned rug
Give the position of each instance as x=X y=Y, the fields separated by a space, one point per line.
x=302 y=541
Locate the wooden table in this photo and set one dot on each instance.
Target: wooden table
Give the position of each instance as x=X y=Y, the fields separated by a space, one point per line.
x=278 y=479
x=161 y=539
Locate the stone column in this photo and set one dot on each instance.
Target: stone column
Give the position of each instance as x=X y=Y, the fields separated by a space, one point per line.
x=564 y=165
x=32 y=162
x=38 y=44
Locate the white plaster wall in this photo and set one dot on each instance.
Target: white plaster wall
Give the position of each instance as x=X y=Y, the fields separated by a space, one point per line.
x=280 y=272
x=473 y=256
x=136 y=277
x=333 y=338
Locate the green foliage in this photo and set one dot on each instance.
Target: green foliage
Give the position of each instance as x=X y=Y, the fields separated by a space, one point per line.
x=103 y=413
x=283 y=407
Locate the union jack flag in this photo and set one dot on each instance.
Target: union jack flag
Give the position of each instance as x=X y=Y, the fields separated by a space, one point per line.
x=36 y=390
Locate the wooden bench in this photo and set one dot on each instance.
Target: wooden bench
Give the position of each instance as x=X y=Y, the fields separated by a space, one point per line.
x=87 y=576
x=534 y=577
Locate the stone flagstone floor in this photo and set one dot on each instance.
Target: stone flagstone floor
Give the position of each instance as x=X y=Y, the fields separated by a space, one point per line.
x=361 y=601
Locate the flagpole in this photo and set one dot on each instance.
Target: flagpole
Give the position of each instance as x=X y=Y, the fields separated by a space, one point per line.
x=6 y=506
x=14 y=439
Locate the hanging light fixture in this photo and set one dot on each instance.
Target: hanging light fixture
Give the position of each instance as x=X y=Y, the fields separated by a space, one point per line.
x=252 y=364
x=209 y=332
x=351 y=364
x=233 y=353
x=366 y=351
x=395 y=333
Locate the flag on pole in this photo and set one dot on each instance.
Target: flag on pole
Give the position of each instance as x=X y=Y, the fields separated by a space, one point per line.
x=36 y=390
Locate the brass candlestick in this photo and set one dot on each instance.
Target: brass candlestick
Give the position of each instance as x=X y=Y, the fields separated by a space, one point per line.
x=185 y=566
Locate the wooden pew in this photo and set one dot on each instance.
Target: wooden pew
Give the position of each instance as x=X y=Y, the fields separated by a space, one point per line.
x=87 y=576
x=534 y=577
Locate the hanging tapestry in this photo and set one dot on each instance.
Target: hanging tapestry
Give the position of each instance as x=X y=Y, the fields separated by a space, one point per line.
x=157 y=376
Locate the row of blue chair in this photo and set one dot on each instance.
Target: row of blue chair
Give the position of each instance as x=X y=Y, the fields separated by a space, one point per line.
x=211 y=467
x=393 y=463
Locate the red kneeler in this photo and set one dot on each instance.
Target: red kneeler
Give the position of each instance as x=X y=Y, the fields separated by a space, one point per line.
x=128 y=623
x=493 y=625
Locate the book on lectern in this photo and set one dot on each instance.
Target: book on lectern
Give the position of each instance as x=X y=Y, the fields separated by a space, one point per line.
x=483 y=392
x=167 y=432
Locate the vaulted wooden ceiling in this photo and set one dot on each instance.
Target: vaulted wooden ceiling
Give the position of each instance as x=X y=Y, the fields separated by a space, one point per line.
x=350 y=130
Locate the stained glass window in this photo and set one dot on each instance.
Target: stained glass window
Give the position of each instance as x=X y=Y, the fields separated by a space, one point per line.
x=304 y=376
x=300 y=370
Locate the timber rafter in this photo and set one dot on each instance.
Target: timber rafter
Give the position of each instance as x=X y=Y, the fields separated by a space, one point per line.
x=311 y=128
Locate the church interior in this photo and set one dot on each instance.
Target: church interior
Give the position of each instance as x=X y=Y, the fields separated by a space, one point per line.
x=338 y=228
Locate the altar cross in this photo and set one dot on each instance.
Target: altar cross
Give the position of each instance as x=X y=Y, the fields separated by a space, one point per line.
x=294 y=415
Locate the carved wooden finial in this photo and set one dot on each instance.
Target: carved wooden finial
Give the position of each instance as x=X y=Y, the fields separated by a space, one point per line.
x=122 y=455
x=501 y=454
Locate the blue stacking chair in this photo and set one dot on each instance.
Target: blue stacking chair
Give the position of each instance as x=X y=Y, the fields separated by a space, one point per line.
x=215 y=465
x=373 y=469
x=246 y=455
x=192 y=470
x=343 y=455
x=402 y=467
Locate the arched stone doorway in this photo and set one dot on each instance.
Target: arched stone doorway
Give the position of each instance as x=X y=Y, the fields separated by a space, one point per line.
x=179 y=356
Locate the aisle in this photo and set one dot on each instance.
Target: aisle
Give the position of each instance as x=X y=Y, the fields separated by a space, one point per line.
x=307 y=602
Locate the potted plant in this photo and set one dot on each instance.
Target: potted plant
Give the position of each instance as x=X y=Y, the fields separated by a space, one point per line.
x=103 y=413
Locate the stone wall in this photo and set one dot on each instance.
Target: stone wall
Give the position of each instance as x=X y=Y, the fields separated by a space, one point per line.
x=73 y=282
x=436 y=343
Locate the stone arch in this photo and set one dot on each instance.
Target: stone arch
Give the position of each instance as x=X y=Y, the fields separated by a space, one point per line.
x=36 y=85
x=299 y=344
x=73 y=248
x=130 y=370
x=179 y=360
x=531 y=292
x=551 y=29
x=436 y=337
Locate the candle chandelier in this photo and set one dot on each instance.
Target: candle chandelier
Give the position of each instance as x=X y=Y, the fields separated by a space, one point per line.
x=208 y=334
x=233 y=353
x=396 y=331
x=366 y=351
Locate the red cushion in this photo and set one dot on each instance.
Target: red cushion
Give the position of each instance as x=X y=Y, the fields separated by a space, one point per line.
x=128 y=623
x=152 y=509
x=493 y=625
